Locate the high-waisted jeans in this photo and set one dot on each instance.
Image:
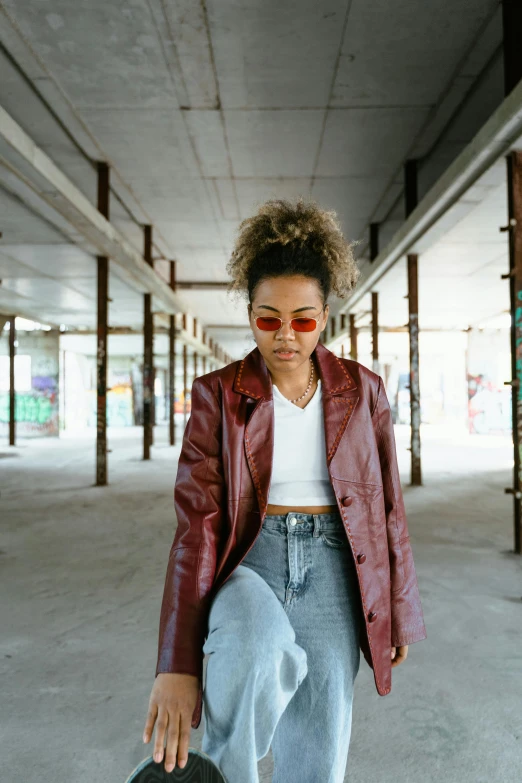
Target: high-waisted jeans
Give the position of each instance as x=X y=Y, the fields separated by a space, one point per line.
x=283 y=647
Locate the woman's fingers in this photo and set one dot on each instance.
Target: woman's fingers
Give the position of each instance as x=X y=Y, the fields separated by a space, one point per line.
x=172 y=743
x=149 y=722
x=184 y=738
x=161 y=727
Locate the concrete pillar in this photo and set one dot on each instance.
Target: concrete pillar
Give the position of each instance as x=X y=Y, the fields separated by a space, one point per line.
x=102 y=330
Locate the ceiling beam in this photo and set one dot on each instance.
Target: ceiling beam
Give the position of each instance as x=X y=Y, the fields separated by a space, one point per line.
x=496 y=137
x=33 y=169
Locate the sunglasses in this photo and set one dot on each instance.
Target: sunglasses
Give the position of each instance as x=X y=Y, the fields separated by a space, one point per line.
x=271 y=323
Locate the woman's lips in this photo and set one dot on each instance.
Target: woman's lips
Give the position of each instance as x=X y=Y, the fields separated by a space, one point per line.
x=285 y=355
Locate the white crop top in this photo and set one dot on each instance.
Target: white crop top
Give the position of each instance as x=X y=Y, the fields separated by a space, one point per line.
x=299 y=473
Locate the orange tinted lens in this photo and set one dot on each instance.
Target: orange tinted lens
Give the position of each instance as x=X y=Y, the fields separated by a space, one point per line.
x=303 y=324
x=268 y=323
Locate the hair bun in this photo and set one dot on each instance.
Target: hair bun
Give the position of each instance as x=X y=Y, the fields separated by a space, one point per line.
x=279 y=221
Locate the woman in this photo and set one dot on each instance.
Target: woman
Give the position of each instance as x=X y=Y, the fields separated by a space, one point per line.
x=292 y=550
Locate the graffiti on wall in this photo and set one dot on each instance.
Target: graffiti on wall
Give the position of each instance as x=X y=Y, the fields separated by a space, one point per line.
x=489 y=407
x=36 y=411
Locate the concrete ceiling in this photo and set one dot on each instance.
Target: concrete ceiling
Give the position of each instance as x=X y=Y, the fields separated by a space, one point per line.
x=204 y=110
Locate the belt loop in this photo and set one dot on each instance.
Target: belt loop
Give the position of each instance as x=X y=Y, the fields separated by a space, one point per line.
x=317 y=525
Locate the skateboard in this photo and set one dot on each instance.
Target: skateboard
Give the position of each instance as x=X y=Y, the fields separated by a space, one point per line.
x=198 y=769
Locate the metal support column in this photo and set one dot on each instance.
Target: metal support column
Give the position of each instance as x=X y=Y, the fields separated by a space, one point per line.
x=12 y=392
x=353 y=337
x=148 y=358
x=410 y=202
x=374 y=241
x=195 y=365
x=102 y=329
x=514 y=178
x=512 y=28
x=375 y=331
x=172 y=362
x=413 y=329
x=185 y=385
x=410 y=186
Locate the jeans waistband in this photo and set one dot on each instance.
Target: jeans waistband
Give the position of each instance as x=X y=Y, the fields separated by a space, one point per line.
x=299 y=522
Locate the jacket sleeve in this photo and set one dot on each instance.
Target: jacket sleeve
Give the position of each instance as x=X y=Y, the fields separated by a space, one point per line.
x=406 y=610
x=198 y=499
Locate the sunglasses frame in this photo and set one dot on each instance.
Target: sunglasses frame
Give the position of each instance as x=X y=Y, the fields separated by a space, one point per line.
x=308 y=317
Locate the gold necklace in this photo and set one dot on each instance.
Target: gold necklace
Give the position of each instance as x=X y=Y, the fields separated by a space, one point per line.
x=309 y=384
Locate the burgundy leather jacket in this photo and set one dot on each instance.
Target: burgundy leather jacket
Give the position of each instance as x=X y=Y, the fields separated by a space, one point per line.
x=221 y=496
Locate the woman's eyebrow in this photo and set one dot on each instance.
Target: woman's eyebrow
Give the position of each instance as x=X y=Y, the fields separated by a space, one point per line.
x=307 y=307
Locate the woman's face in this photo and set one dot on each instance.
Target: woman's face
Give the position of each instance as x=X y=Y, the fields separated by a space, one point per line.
x=288 y=297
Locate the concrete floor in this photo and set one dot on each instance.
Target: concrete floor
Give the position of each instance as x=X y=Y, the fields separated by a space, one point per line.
x=81 y=577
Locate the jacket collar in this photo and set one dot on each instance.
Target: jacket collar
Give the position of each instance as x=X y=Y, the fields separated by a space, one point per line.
x=253 y=377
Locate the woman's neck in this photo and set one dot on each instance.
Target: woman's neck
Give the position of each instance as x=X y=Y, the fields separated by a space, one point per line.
x=293 y=384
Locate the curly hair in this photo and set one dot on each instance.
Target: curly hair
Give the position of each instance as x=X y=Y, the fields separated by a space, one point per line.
x=285 y=238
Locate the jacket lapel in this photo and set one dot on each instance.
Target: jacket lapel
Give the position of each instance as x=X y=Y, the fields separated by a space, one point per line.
x=255 y=382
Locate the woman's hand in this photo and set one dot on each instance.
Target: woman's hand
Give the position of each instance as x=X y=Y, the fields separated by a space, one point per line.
x=398 y=655
x=171 y=706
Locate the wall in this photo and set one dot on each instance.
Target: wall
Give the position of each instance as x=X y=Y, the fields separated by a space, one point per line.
x=36 y=384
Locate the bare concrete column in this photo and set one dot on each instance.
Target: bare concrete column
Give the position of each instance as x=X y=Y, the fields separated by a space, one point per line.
x=12 y=390
x=514 y=179
x=101 y=346
x=148 y=359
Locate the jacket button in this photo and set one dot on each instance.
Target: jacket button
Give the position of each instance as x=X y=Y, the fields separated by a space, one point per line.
x=361 y=558
x=347 y=501
x=372 y=617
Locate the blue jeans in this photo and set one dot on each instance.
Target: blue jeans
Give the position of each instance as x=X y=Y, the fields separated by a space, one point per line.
x=283 y=647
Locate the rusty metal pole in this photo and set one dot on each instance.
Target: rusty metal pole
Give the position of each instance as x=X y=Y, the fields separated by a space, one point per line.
x=185 y=384
x=410 y=202
x=353 y=337
x=514 y=180
x=374 y=241
x=375 y=331
x=172 y=363
x=512 y=27
x=148 y=358
x=102 y=336
x=195 y=364
x=12 y=390
x=413 y=329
